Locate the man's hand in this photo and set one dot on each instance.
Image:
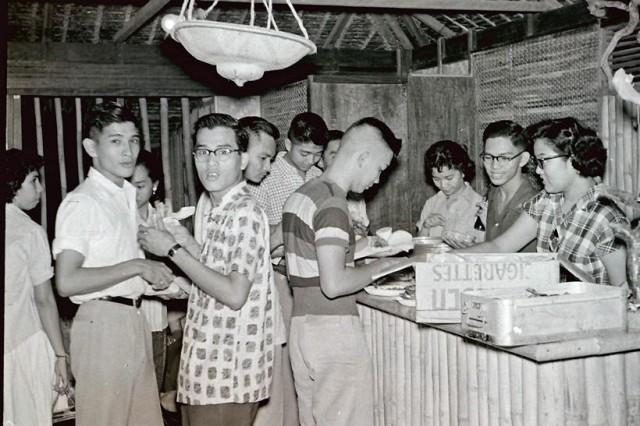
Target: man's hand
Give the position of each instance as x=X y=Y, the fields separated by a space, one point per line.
x=432 y=220
x=155 y=241
x=156 y=273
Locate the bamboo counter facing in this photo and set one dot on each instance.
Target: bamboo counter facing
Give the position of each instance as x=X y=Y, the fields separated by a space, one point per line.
x=428 y=374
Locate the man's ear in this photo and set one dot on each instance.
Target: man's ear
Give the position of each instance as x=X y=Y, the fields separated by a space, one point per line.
x=524 y=158
x=90 y=147
x=362 y=158
x=287 y=144
x=244 y=160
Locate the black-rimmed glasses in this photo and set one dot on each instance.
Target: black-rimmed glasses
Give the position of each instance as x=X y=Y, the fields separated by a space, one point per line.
x=222 y=154
x=540 y=161
x=500 y=160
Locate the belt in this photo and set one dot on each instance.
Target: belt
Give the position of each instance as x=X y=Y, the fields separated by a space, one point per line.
x=123 y=300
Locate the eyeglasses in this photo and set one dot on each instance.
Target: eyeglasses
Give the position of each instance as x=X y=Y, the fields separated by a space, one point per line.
x=540 y=161
x=500 y=160
x=222 y=154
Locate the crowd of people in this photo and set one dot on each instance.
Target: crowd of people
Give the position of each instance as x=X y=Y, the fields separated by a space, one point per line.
x=271 y=334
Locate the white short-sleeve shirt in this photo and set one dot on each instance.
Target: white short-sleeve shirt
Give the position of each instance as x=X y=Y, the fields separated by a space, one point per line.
x=98 y=220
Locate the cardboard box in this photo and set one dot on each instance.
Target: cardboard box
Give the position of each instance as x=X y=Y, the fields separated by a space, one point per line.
x=441 y=278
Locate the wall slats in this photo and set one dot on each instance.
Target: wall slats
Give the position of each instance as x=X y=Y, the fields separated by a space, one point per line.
x=40 y=151
x=79 y=147
x=165 y=148
x=187 y=145
x=144 y=119
x=60 y=144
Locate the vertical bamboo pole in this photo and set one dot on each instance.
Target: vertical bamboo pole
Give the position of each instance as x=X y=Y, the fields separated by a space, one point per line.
x=79 y=140
x=619 y=143
x=493 y=394
x=388 y=376
x=187 y=143
x=516 y=389
x=452 y=367
x=632 y=386
x=437 y=367
x=615 y=386
x=9 y=121
x=473 y=374
x=530 y=392
x=574 y=389
x=165 y=149
x=636 y=154
x=17 y=122
x=60 y=138
x=483 y=387
x=430 y=390
x=40 y=150
x=606 y=138
x=595 y=386
x=417 y=376
x=144 y=117
x=611 y=109
x=626 y=162
x=380 y=350
x=463 y=383
x=504 y=389
x=550 y=396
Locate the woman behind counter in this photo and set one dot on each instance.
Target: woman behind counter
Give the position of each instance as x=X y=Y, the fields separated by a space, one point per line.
x=569 y=217
x=453 y=211
x=35 y=361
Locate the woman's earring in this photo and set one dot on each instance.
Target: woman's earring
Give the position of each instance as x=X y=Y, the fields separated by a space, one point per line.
x=155 y=188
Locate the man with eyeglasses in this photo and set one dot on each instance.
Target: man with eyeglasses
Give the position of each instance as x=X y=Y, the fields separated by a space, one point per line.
x=505 y=159
x=226 y=365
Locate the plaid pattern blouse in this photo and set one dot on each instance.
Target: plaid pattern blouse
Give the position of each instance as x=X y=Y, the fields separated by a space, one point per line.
x=583 y=235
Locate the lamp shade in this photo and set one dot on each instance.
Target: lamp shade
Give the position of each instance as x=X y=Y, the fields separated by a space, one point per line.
x=240 y=52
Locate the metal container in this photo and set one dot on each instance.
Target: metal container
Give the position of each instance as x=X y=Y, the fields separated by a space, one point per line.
x=425 y=245
x=526 y=315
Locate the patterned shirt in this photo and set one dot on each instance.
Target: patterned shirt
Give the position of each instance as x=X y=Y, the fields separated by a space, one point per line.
x=283 y=180
x=498 y=222
x=227 y=355
x=583 y=235
x=316 y=215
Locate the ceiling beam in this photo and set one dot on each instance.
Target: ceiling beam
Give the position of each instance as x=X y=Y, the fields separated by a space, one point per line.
x=144 y=15
x=467 y=5
x=435 y=25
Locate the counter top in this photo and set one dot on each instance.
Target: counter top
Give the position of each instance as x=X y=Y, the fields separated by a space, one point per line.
x=606 y=343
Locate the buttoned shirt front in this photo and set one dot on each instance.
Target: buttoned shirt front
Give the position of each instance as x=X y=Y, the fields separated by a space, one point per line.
x=583 y=234
x=227 y=355
x=283 y=181
x=98 y=220
x=27 y=263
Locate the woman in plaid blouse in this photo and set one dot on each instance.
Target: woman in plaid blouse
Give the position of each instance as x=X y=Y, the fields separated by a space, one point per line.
x=571 y=216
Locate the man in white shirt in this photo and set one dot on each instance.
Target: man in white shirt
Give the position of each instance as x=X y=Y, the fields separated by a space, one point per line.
x=100 y=266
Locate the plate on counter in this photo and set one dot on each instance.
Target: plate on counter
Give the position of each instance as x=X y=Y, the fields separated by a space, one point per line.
x=388 y=289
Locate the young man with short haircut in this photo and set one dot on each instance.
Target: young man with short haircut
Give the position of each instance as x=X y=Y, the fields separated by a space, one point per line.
x=100 y=267
x=226 y=365
x=331 y=362
x=505 y=157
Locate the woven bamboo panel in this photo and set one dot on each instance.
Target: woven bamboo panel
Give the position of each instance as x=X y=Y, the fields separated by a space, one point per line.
x=279 y=106
x=546 y=77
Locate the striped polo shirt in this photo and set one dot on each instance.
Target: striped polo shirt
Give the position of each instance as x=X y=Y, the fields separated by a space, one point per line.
x=315 y=215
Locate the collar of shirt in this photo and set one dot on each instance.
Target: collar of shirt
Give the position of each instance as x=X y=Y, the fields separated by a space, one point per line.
x=230 y=195
x=290 y=170
x=127 y=189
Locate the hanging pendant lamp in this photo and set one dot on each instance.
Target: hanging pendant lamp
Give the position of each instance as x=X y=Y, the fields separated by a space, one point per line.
x=240 y=52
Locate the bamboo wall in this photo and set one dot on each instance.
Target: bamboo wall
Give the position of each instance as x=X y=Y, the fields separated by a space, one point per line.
x=424 y=376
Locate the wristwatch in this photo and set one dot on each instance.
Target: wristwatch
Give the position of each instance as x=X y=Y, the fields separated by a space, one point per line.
x=173 y=250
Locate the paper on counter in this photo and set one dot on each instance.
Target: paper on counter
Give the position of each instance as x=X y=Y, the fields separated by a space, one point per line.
x=398 y=241
x=178 y=284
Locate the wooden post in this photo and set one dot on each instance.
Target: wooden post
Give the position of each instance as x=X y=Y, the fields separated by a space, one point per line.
x=17 y=122
x=60 y=140
x=79 y=147
x=40 y=150
x=165 y=150
x=187 y=143
x=144 y=117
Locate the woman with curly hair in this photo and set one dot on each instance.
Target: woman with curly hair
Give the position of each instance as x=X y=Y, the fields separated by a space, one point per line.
x=34 y=355
x=453 y=211
x=570 y=216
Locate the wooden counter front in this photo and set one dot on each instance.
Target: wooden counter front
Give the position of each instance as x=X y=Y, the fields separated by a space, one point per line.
x=431 y=375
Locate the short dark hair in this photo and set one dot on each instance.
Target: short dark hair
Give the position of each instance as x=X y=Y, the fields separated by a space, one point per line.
x=106 y=113
x=252 y=124
x=211 y=121
x=507 y=129
x=153 y=164
x=394 y=144
x=308 y=127
x=334 y=135
x=15 y=166
x=568 y=137
x=448 y=154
